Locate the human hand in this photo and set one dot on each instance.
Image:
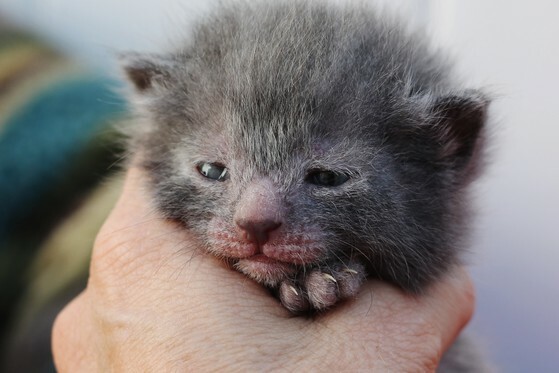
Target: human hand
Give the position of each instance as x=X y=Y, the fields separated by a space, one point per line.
x=155 y=302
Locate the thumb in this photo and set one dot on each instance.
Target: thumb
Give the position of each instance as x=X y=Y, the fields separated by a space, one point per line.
x=451 y=303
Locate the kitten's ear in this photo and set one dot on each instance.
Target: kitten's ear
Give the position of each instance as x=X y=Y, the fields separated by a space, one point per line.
x=458 y=123
x=146 y=70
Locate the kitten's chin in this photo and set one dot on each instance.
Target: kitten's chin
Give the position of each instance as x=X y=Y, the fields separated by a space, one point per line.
x=264 y=269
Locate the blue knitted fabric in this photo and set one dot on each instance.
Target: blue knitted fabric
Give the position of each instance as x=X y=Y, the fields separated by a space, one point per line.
x=45 y=137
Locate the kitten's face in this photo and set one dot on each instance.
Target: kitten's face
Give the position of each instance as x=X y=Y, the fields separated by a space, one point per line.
x=279 y=197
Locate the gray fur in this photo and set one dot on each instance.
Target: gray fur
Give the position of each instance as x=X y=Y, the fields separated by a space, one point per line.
x=274 y=91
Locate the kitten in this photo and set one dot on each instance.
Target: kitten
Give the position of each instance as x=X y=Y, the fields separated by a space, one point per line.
x=311 y=146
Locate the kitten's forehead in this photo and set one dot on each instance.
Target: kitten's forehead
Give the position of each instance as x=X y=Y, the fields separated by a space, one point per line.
x=271 y=142
x=292 y=145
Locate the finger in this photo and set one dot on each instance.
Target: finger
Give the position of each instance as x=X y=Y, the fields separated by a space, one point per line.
x=138 y=248
x=399 y=329
x=135 y=236
x=449 y=304
x=445 y=307
x=73 y=338
x=133 y=207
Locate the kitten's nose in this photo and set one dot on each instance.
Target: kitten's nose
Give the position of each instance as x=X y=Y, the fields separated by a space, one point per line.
x=257 y=230
x=259 y=211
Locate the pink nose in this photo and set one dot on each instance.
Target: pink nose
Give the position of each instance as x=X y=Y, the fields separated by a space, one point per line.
x=257 y=230
x=259 y=211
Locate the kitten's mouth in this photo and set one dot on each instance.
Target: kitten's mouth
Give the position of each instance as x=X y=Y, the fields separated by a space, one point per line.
x=264 y=259
x=264 y=269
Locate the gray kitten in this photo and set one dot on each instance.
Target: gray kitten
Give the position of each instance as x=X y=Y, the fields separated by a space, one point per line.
x=311 y=146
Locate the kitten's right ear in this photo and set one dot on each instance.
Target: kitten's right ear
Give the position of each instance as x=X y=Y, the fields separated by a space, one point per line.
x=145 y=71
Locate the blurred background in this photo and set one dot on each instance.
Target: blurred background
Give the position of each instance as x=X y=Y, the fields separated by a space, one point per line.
x=509 y=47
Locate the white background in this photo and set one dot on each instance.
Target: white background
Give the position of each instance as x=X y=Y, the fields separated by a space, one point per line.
x=510 y=47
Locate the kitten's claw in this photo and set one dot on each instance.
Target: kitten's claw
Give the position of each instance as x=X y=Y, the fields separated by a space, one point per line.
x=322 y=290
x=293 y=290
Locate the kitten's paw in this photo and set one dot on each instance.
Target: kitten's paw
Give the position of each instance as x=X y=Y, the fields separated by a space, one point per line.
x=321 y=288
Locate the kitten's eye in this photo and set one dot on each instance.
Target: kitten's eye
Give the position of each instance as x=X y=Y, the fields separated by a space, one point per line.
x=213 y=171
x=326 y=178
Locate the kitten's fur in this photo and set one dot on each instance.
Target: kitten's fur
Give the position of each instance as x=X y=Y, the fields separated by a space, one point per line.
x=279 y=93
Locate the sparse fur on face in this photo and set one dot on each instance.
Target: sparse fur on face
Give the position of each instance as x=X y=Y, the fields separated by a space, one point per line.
x=310 y=145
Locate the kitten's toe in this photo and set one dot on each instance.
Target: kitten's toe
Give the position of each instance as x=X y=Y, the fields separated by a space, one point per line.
x=322 y=289
x=350 y=278
x=325 y=288
x=293 y=297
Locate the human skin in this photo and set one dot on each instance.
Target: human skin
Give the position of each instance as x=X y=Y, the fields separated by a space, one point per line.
x=155 y=302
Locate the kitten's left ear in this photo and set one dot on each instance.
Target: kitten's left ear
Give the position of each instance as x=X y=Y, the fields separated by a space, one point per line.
x=145 y=71
x=458 y=123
